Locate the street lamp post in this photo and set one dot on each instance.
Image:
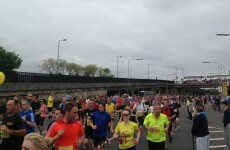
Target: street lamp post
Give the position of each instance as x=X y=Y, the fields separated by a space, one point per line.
x=221 y=70
x=148 y=70
x=212 y=75
x=224 y=68
x=224 y=73
x=183 y=73
x=58 y=53
x=117 y=65
x=223 y=35
x=168 y=83
x=176 y=74
x=218 y=65
x=131 y=60
x=130 y=70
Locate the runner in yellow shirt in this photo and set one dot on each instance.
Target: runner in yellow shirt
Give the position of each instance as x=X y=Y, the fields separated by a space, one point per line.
x=125 y=131
x=110 y=108
x=50 y=102
x=157 y=125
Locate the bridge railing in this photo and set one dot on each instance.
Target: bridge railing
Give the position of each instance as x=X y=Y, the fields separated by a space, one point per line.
x=27 y=77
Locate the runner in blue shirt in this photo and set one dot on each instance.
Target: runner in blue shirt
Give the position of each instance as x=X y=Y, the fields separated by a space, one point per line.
x=27 y=116
x=100 y=121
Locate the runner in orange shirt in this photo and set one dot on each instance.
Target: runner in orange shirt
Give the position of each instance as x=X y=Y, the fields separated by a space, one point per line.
x=68 y=132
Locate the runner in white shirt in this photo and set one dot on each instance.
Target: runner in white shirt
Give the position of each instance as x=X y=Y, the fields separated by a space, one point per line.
x=140 y=109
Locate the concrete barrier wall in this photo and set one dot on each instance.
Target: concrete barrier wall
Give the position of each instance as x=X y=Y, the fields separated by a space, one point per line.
x=43 y=90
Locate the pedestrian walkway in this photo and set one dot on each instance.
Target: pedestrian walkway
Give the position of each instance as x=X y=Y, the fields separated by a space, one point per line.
x=216 y=129
x=217 y=141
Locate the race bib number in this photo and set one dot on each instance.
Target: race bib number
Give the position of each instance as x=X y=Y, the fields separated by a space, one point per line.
x=127 y=137
x=88 y=121
x=66 y=147
x=139 y=113
x=4 y=135
x=156 y=130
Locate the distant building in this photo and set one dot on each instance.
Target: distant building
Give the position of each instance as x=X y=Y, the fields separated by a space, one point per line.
x=195 y=79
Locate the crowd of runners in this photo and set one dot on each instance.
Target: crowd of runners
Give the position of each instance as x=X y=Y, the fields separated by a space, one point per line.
x=99 y=119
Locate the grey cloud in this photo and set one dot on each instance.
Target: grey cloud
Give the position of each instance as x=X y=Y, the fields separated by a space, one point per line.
x=164 y=33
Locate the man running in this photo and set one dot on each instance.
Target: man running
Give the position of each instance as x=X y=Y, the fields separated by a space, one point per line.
x=50 y=102
x=100 y=121
x=27 y=116
x=176 y=107
x=35 y=104
x=169 y=112
x=67 y=132
x=12 y=128
x=87 y=113
x=157 y=125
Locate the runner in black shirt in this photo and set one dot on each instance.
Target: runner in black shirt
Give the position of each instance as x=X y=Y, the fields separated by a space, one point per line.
x=120 y=107
x=12 y=128
x=87 y=113
x=35 y=104
x=176 y=107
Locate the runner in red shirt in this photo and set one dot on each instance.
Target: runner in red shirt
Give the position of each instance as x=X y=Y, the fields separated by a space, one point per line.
x=169 y=112
x=67 y=133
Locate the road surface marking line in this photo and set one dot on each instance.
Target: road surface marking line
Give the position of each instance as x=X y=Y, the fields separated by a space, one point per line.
x=215 y=128
x=211 y=127
x=215 y=139
x=217 y=146
x=215 y=131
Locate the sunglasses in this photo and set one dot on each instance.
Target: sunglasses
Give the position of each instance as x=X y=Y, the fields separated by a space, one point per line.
x=125 y=114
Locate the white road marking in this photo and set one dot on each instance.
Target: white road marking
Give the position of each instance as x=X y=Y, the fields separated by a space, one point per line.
x=215 y=128
x=216 y=139
x=218 y=146
x=215 y=131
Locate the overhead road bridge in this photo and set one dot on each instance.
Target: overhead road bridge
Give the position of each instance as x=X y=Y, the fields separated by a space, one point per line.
x=44 y=84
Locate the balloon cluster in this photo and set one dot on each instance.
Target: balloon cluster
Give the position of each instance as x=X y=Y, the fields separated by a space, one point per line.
x=2 y=77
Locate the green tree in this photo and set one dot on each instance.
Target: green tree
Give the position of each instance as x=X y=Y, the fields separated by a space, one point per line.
x=74 y=69
x=9 y=60
x=49 y=66
x=104 y=72
x=90 y=70
x=52 y=66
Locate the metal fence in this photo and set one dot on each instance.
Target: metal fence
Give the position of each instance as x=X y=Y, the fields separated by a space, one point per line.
x=28 y=77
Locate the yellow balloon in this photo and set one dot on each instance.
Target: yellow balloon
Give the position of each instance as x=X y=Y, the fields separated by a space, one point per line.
x=2 y=77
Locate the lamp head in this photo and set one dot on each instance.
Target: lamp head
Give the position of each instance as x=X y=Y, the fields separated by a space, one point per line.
x=222 y=34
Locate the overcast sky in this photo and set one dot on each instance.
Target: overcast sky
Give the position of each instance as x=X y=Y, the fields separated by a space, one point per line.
x=165 y=33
